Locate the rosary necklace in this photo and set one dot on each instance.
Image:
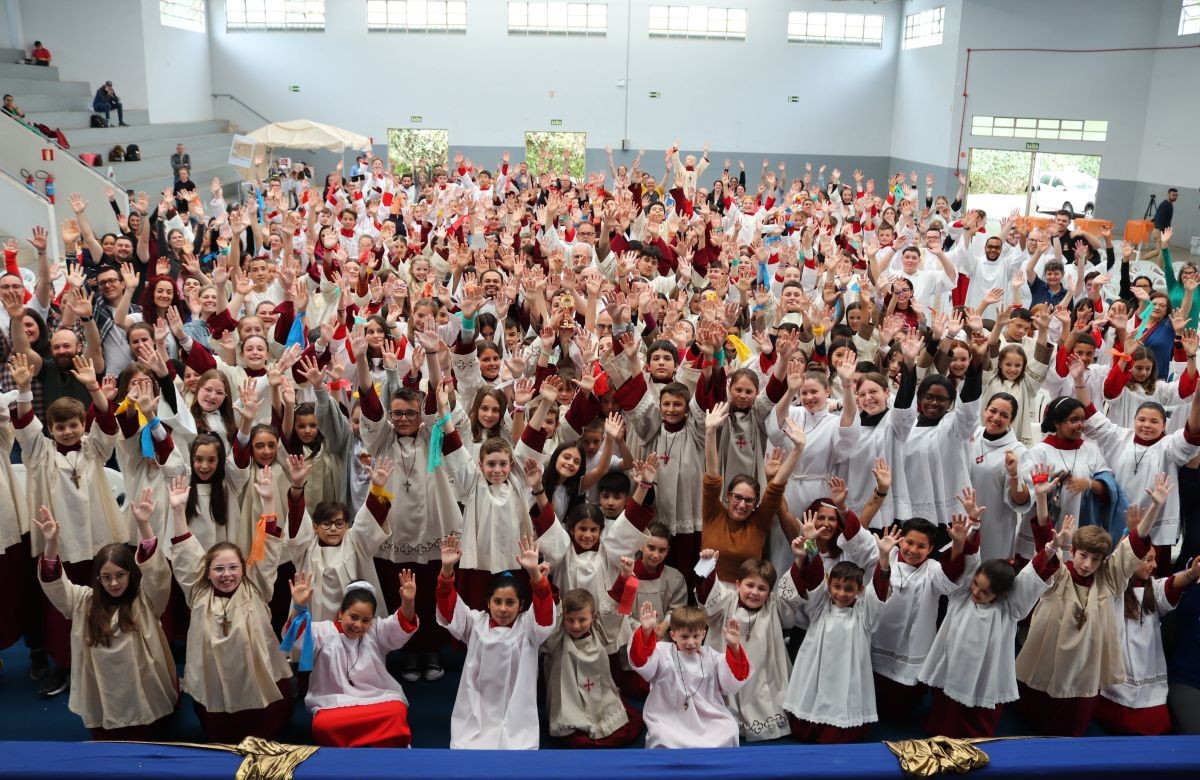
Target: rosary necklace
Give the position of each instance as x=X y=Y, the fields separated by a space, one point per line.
x=687 y=697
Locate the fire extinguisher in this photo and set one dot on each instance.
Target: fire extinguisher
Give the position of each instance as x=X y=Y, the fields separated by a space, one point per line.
x=30 y=181
x=50 y=187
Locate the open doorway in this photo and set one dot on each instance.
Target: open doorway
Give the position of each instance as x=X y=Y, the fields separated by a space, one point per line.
x=546 y=151
x=1033 y=183
x=412 y=150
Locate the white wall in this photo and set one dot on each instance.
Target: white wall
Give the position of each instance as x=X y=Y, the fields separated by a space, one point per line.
x=92 y=41
x=178 y=72
x=732 y=94
x=922 y=114
x=1168 y=149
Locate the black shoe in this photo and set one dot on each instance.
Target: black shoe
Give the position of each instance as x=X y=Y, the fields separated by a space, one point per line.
x=123 y=124
x=58 y=681
x=39 y=666
x=410 y=670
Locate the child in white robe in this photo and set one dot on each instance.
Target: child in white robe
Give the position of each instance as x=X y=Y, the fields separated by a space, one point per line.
x=335 y=552
x=765 y=608
x=65 y=472
x=355 y=702
x=908 y=622
x=115 y=632
x=831 y=695
x=496 y=706
x=1137 y=706
x=688 y=681
x=235 y=672
x=583 y=704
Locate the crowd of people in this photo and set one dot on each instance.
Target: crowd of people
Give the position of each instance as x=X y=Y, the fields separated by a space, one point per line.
x=718 y=458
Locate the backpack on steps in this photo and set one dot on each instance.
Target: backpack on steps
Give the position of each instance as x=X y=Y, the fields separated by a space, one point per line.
x=98 y=121
x=133 y=153
x=116 y=154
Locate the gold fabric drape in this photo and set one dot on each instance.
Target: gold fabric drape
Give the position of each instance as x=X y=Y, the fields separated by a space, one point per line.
x=936 y=755
x=262 y=758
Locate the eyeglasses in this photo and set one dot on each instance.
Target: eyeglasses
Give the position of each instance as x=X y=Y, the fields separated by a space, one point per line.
x=734 y=498
x=107 y=282
x=327 y=524
x=232 y=568
x=404 y=414
x=113 y=579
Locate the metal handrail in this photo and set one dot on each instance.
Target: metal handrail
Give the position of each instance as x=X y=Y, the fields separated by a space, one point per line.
x=241 y=103
x=92 y=170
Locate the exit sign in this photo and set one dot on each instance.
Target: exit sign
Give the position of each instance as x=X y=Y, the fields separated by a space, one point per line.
x=294 y=88
x=415 y=119
x=1032 y=145
x=654 y=94
x=793 y=98
x=556 y=123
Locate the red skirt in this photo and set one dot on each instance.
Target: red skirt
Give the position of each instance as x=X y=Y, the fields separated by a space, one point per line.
x=232 y=727
x=1056 y=717
x=896 y=701
x=1132 y=721
x=948 y=718
x=824 y=734
x=382 y=725
x=619 y=738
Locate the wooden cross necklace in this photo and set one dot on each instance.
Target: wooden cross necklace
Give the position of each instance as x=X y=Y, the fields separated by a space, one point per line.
x=74 y=467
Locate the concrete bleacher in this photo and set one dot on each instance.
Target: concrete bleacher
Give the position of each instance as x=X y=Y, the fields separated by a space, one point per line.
x=45 y=98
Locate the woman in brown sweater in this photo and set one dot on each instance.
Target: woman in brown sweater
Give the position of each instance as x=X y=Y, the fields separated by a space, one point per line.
x=738 y=530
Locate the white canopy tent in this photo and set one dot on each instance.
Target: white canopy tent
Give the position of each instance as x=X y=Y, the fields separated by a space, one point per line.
x=301 y=134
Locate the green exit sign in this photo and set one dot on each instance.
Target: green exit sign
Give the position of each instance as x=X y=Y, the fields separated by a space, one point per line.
x=793 y=98
x=1032 y=145
x=655 y=94
x=415 y=119
x=294 y=88
x=556 y=123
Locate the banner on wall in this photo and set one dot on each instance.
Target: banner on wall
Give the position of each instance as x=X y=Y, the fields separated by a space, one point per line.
x=241 y=151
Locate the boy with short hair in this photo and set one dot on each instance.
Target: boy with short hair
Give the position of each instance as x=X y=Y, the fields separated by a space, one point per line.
x=65 y=472
x=1071 y=651
x=688 y=681
x=831 y=694
x=583 y=704
x=908 y=622
x=765 y=605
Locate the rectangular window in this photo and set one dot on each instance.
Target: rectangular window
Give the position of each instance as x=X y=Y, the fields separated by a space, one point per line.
x=274 y=14
x=417 y=15
x=1042 y=129
x=1189 y=17
x=697 y=21
x=924 y=28
x=184 y=14
x=835 y=29
x=558 y=18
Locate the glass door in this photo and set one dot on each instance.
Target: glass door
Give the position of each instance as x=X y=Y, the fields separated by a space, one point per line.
x=1065 y=181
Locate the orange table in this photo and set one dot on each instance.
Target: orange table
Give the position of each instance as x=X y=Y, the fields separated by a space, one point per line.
x=1092 y=225
x=1137 y=230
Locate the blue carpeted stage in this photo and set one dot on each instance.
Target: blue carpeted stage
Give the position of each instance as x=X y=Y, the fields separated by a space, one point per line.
x=1161 y=757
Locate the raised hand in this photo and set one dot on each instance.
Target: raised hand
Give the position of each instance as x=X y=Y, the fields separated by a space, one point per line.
x=1162 y=488
x=298 y=469
x=264 y=485
x=966 y=497
x=46 y=524
x=648 y=618
x=302 y=589
x=883 y=475
x=527 y=557
x=177 y=493
x=143 y=509
x=716 y=417
x=408 y=585
x=1062 y=540
x=733 y=633
x=887 y=542
x=381 y=471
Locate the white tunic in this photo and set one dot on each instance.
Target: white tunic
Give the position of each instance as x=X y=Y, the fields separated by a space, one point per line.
x=999 y=522
x=759 y=706
x=495 y=517
x=1122 y=409
x=908 y=622
x=972 y=658
x=886 y=439
x=334 y=568
x=350 y=672
x=831 y=681
x=935 y=467
x=825 y=447
x=1135 y=465
x=699 y=680
x=1141 y=643
x=496 y=706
